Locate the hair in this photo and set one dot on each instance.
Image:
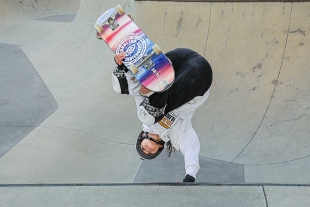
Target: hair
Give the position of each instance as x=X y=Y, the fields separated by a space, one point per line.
x=169 y=148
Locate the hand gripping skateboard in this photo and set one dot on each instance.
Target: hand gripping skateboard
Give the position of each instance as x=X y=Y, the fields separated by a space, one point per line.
x=144 y=58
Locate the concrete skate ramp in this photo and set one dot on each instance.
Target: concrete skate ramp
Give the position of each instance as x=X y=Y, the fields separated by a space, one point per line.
x=255 y=122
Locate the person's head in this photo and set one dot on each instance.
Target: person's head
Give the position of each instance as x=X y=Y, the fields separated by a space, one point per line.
x=149 y=146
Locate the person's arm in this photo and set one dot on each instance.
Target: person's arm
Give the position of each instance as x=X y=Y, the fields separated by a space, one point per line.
x=183 y=137
x=123 y=80
x=190 y=148
x=119 y=81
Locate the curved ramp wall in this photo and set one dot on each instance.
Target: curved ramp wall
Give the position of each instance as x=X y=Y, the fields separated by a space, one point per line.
x=258 y=111
x=256 y=116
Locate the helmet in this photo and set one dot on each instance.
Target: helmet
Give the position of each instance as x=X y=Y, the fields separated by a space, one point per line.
x=144 y=135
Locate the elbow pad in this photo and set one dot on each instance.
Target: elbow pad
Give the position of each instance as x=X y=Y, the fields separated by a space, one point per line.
x=119 y=81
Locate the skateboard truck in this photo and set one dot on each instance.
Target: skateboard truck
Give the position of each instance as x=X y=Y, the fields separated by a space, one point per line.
x=111 y=21
x=147 y=62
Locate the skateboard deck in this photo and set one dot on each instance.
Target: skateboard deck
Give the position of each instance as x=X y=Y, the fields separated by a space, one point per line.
x=149 y=65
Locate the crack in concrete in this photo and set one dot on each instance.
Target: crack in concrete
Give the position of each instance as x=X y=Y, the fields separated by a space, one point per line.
x=289 y=120
x=92 y=135
x=300 y=31
x=232 y=91
x=164 y=23
x=179 y=26
x=204 y=52
x=265 y=195
x=198 y=22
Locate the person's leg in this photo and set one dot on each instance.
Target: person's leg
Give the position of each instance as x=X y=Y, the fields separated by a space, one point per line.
x=152 y=109
x=193 y=79
x=190 y=107
x=159 y=100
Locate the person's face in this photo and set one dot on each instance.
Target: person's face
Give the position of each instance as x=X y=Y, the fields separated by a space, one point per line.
x=149 y=147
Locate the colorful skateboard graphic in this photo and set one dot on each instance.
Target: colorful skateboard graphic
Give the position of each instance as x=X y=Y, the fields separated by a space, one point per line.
x=144 y=58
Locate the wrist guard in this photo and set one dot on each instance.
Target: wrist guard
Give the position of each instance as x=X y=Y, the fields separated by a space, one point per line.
x=121 y=67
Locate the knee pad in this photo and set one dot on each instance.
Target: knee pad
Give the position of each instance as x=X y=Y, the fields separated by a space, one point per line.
x=149 y=114
x=144 y=116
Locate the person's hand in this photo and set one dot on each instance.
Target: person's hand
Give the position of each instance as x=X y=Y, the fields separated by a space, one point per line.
x=145 y=91
x=119 y=57
x=189 y=178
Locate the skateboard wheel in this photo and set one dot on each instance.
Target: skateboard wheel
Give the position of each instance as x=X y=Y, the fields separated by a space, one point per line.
x=156 y=49
x=119 y=10
x=98 y=28
x=133 y=69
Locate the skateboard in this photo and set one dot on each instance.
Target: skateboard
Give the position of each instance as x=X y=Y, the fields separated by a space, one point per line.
x=145 y=59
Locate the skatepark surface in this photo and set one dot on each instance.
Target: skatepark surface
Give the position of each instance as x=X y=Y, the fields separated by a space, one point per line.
x=66 y=138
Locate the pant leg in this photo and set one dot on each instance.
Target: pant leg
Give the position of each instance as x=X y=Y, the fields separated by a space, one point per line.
x=159 y=100
x=193 y=79
x=187 y=110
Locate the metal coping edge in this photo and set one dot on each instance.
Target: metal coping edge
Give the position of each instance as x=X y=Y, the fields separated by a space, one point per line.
x=153 y=184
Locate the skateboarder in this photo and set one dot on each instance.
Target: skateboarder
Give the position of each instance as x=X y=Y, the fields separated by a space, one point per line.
x=166 y=116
